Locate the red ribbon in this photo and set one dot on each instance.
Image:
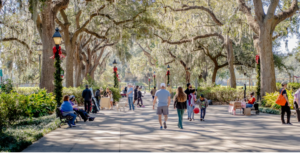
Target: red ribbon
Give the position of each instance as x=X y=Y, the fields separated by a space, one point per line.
x=154 y=76
x=117 y=75
x=257 y=58
x=168 y=72
x=149 y=80
x=115 y=69
x=59 y=52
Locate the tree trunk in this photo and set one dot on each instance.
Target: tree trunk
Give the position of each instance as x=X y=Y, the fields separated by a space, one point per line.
x=78 y=74
x=264 y=48
x=47 y=30
x=187 y=76
x=230 y=59
x=214 y=76
x=69 y=60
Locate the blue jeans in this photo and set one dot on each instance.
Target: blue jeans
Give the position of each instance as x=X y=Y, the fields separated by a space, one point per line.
x=191 y=112
x=72 y=120
x=249 y=105
x=180 y=115
x=202 y=114
x=130 y=103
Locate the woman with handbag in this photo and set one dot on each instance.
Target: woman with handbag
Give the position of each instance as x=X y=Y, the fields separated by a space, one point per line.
x=180 y=104
x=285 y=107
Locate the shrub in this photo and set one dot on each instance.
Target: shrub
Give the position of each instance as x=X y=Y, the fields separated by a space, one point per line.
x=6 y=86
x=270 y=99
x=269 y=110
x=26 y=90
x=293 y=86
x=13 y=106
x=222 y=94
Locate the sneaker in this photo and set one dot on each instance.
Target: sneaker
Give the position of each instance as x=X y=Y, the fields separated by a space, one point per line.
x=200 y=119
x=143 y=106
x=283 y=123
x=165 y=125
x=203 y=120
x=73 y=125
x=70 y=126
x=161 y=127
x=289 y=123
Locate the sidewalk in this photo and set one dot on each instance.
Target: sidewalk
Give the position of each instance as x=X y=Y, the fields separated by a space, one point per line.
x=139 y=131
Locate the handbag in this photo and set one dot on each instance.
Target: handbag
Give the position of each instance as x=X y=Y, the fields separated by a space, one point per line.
x=281 y=100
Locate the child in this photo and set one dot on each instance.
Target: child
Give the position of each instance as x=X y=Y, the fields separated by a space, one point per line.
x=191 y=104
x=203 y=104
x=139 y=96
x=110 y=95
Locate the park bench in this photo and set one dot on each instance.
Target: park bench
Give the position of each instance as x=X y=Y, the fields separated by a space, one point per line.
x=63 y=119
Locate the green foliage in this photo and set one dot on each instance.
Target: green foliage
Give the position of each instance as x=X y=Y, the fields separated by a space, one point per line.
x=116 y=93
x=222 y=94
x=26 y=90
x=77 y=92
x=14 y=106
x=23 y=133
x=58 y=81
x=270 y=98
x=258 y=78
x=6 y=86
x=269 y=110
x=290 y=86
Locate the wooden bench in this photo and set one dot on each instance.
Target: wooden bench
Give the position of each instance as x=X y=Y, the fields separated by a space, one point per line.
x=63 y=119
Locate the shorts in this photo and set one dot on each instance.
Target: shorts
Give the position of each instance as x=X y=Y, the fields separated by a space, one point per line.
x=162 y=110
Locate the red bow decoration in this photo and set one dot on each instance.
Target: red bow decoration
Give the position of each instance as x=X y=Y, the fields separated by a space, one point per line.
x=117 y=75
x=257 y=58
x=168 y=72
x=149 y=80
x=154 y=76
x=119 y=80
x=59 y=52
x=115 y=69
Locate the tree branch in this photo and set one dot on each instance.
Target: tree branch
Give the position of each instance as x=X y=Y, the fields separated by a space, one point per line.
x=18 y=40
x=62 y=4
x=192 y=39
x=11 y=27
x=288 y=13
x=272 y=8
x=150 y=58
x=186 y=8
x=247 y=11
x=258 y=9
x=94 y=34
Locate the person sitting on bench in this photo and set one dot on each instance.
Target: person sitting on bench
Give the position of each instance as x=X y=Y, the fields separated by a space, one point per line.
x=67 y=109
x=251 y=101
x=81 y=112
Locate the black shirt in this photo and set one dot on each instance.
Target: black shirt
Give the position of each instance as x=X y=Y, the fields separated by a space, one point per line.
x=87 y=94
x=179 y=105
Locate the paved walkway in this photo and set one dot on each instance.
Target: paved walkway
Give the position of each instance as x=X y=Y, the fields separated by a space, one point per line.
x=139 y=131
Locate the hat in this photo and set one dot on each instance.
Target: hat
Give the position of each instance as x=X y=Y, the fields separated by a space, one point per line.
x=162 y=85
x=283 y=83
x=202 y=96
x=72 y=96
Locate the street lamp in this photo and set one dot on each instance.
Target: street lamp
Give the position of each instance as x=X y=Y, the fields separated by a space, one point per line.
x=168 y=74
x=57 y=75
x=115 y=74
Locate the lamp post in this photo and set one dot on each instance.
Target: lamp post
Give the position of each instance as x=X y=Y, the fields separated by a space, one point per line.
x=40 y=53
x=168 y=74
x=115 y=74
x=154 y=81
x=57 y=75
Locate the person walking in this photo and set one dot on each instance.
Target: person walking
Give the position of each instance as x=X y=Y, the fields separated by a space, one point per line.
x=180 y=104
x=135 y=94
x=286 y=108
x=297 y=104
x=139 y=96
x=87 y=96
x=203 y=104
x=187 y=92
x=153 y=91
x=130 y=97
x=164 y=100
x=191 y=104
x=98 y=96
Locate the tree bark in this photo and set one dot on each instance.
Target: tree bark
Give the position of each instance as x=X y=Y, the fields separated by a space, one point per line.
x=47 y=29
x=264 y=48
x=230 y=59
x=214 y=76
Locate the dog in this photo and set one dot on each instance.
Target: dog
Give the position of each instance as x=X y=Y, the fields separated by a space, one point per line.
x=122 y=104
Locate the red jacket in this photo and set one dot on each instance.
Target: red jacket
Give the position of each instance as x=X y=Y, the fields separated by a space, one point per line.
x=251 y=101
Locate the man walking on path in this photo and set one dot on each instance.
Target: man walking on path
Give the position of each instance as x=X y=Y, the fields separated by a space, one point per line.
x=87 y=96
x=164 y=100
x=130 y=97
x=153 y=91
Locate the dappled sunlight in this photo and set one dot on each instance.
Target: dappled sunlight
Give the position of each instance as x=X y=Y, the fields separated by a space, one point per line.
x=139 y=131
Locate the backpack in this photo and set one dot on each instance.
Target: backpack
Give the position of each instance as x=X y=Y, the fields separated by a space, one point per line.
x=280 y=99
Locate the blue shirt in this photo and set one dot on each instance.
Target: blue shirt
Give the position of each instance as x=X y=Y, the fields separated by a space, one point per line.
x=66 y=106
x=129 y=90
x=162 y=97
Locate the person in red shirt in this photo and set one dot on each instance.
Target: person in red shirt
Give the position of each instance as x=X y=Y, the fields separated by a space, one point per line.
x=251 y=101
